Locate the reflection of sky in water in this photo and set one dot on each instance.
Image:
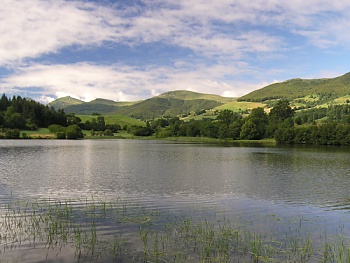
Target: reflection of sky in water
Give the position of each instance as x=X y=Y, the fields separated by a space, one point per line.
x=260 y=188
x=149 y=168
x=126 y=167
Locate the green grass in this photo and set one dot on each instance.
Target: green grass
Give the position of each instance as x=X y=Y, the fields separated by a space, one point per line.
x=327 y=89
x=190 y=95
x=43 y=133
x=65 y=102
x=240 y=106
x=342 y=100
x=114 y=119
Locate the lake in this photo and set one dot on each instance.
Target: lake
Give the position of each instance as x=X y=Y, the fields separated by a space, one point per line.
x=302 y=192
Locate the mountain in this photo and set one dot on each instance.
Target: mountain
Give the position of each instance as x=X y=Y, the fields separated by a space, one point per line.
x=302 y=94
x=64 y=102
x=304 y=91
x=170 y=104
x=173 y=103
x=101 y=106
x=190 y=95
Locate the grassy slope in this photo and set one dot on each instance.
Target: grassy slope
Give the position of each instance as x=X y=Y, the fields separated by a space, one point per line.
x=173 y=103
x=100 y=106
x=114 y=119
x=301 y=88
x=112 y=102
x=240 y=105
x=40 y=133
x=64 y=102
x=190 y=95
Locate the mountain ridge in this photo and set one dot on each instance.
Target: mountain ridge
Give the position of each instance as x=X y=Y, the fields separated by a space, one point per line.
x=170 y=103
x=302 y=94
x=299 y=88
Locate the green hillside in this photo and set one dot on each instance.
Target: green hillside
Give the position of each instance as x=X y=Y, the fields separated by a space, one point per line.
x=102 y=101
x=311 y=92
x=112 y=102
x=88 y=108
x=101 y=106
x=64 y=102
x=115 y=119
x=302 y=94
x=168 y=106
x=190 y=95
x=237 y=106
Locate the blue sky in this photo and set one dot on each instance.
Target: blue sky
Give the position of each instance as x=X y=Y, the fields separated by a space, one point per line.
x=130 y=50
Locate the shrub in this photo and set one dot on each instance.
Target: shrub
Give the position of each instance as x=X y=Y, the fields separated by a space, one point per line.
x=12 y=134
x=74 y=132
x=60 y=135
x=108 y=132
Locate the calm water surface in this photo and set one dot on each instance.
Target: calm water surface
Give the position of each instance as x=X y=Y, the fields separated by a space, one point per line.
x=247 y=184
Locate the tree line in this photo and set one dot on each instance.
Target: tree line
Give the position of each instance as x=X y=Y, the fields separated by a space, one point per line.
x=22 y=113
x=227 y=125
x=19 y=113
x=281 y=123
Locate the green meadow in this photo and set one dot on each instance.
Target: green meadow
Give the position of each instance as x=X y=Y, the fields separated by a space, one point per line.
x=114 y=119
x=237 y=106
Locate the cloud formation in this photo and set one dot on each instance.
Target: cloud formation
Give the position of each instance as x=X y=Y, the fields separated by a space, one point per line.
x=226 y=41
x=88 y=81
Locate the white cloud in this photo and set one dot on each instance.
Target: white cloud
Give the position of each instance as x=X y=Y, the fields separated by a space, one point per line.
x=120 y=82
x=44 y=99
x=227 y=35
x=31 y=28
x=84 y=81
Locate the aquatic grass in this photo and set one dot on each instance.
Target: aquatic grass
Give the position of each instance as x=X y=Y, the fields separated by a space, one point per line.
x=97 y=230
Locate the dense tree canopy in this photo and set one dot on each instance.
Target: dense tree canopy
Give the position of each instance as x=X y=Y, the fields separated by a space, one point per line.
x=22 y=113
x=281 y=123
x=19 y=113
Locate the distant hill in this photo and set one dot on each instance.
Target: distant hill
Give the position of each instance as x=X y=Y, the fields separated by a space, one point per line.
x=169 y=104
x=101 y=106
x=173 y=103
x=190 y=95
x=112 y=119
x=307 y=92
x=238 y=106
x=302 y=94
x=64 y=102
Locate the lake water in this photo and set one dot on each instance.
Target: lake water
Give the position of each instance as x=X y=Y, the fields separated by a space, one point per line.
x=256 y=187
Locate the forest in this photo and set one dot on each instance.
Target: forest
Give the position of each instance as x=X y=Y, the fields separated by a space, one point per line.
x=19 y=113
x=323 y=126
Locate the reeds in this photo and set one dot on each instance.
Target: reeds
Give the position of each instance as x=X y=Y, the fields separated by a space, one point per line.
x=121 y=231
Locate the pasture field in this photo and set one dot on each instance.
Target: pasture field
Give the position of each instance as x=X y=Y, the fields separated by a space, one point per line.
x=240 y=106
x=41 y=133
x=114 y=119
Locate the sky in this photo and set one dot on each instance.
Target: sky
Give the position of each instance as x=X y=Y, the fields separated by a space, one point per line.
x=128 y=50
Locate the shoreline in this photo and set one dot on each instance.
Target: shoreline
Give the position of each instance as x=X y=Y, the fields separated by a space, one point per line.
x=123 y=135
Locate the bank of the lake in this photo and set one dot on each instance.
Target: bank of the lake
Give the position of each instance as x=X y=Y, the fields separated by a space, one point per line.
x=44 y=133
